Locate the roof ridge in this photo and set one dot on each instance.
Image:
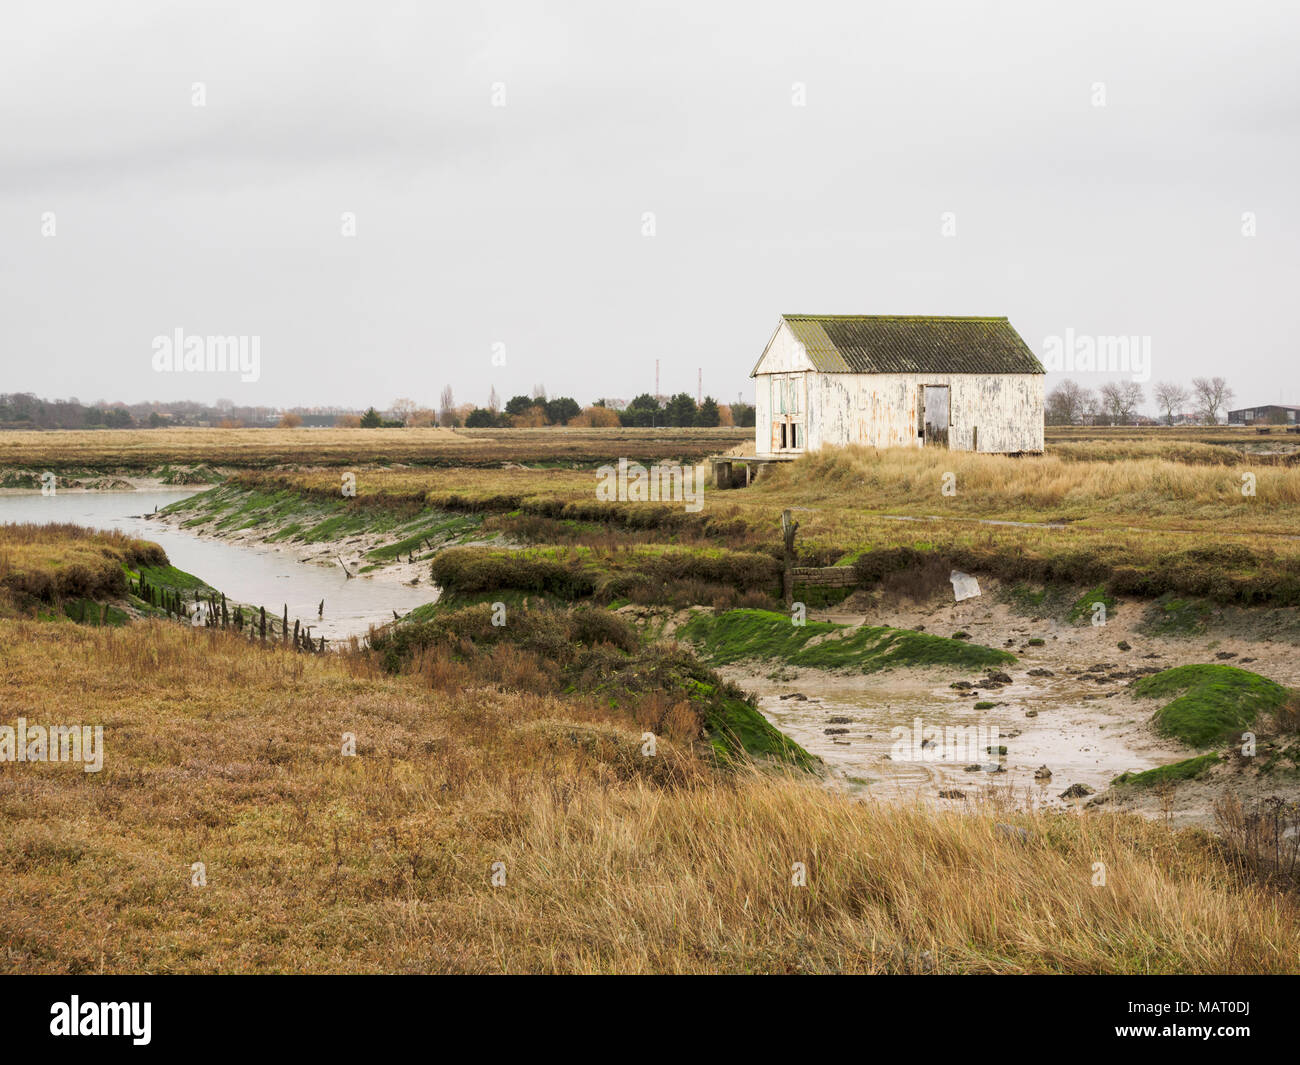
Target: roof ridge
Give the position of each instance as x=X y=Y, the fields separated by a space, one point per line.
x=910 y=343
x=911 y=317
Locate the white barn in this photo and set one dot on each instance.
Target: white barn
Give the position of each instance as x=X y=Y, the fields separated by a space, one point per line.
x=969 y=384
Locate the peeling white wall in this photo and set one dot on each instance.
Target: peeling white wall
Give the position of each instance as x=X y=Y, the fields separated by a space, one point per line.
x=880 y=410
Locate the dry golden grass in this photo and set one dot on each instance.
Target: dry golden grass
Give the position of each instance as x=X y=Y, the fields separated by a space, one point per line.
x=1191 y=452
x=52 y=561
x=1143 y=527
x=453 y=487
x=145 y=449
x=1146 y=491
x=1152 y=491
x=1228 y=435
x=229 y=755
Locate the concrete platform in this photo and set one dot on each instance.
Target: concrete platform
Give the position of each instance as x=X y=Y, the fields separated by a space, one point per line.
x=726 y=476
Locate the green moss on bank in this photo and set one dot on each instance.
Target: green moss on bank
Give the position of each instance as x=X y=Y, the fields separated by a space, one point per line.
x=90 y=612
x=287 y=515
x=1188 y=769
x=1214 y=703
x=737 y=635
x=1174 y=616
x=170 y=577
x=1085 y=607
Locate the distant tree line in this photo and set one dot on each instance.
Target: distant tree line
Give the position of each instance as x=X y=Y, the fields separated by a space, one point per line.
x=22 y=410
x=645 y=410
x=1117 y=403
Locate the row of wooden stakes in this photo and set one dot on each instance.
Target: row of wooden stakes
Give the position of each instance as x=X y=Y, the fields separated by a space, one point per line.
x=216 y=614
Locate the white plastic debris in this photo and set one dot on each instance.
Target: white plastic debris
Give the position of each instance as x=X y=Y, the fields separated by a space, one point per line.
x=964 y=586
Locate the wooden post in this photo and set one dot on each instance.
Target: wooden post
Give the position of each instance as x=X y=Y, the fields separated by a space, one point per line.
x=721 y=474
x=788 y=528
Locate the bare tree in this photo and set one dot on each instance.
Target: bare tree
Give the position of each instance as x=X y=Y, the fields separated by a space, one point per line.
x=1120 y=400
x=539 y=392
x=1170 y=398
x=403 y=409
x=1068 y=404
x=1090 y=408
x=1212 y=394
x=494 y=401
x=446 y=406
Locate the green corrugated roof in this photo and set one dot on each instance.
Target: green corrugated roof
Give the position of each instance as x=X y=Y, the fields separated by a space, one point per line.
x=893 y=343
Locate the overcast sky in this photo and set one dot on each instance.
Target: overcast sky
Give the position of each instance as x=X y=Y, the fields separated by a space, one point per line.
x=524 y=225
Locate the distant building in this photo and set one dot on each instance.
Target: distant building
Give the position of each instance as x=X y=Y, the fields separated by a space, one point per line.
x=969 y=384
x=1272 y=414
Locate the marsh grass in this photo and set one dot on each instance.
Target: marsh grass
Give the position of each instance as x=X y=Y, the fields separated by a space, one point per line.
x=1262 y=838
x=1153 y=490
x=1142 y=528
x=52 y=562
x=228 y=754
x=588 y=654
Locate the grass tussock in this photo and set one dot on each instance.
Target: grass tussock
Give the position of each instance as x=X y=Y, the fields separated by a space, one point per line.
x=1262 y=839
x=383 y=861
x=52 y=562
x=1212 y=704
x=641 y=573
x=588 y=654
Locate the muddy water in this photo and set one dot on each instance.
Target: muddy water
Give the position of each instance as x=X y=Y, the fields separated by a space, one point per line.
x=246 y=574
x=1080 y=735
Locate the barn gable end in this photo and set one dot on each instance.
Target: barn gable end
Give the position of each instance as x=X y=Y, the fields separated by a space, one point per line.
x=897 y=381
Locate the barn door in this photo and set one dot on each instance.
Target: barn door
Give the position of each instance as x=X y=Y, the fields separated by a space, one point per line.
x=934 y=410
x=787 y=412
